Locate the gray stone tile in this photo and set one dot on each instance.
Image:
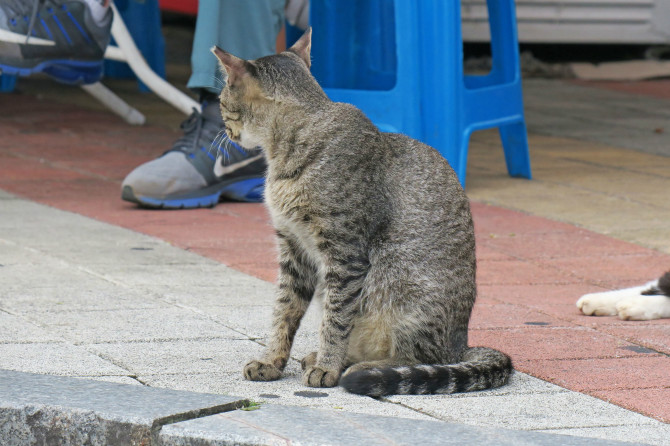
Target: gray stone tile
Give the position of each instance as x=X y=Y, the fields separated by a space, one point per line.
x=101 y=244
x=118 y=379
x=13 y=254
x=55 y=359
x=48 y=273
x=238 y=293
x=180 y=275
x=16 y=329
x=75 y=295
x=48 y=410
x=527 y=411
x=288 y=391
x=255 y=321
x=653 y=434
x=281 y=425
x=180 y=357
x=142 y=325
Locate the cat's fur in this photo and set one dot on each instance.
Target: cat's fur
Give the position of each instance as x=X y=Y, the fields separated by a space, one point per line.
x=376 y=225
x=642 y=303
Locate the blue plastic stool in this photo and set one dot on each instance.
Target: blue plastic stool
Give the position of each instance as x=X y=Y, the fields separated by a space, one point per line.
x=401 y=62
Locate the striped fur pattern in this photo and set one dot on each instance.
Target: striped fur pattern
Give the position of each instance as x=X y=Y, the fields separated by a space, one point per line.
x=374 y=225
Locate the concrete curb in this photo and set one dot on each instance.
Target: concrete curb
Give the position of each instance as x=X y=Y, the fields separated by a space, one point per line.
x=43 y=409
x=47 y=410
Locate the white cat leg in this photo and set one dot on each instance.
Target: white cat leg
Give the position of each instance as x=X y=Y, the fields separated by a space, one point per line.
x=604 y=304
x=644 y=308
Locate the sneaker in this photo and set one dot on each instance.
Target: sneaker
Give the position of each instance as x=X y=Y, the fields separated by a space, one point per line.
x=56 y=37
x=202 y=167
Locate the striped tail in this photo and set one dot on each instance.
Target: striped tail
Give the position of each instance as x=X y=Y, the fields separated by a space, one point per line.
x=481 y=368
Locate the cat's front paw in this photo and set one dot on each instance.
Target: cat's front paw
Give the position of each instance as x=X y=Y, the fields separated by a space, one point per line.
x=308 y=361
x=316 y=376
x=261 y=371
x=597 y=304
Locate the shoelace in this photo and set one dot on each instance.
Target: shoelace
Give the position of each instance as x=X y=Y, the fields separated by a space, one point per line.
x=193 y=127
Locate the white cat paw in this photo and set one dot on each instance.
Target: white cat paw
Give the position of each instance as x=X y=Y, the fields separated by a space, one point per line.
x=597 y=304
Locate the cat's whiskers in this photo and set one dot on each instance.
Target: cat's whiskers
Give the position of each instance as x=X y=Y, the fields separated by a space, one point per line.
x=219 y=145
x=219 y=82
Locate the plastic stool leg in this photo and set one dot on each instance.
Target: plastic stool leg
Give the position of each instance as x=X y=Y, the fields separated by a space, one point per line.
x=515 y=144
x=117 y=105
x=504 y=42
x=7 y=83
x=127 y=51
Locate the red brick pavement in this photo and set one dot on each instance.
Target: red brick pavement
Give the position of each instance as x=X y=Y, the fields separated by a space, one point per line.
x=531 y=270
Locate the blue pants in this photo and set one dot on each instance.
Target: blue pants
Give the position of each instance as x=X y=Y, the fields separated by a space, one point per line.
x=245 y=28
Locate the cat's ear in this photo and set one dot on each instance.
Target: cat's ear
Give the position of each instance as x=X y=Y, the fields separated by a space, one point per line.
x=235 y=67
x=303 y=47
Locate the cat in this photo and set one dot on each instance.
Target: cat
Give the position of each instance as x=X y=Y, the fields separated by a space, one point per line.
x=642 y=303
x=375 y=225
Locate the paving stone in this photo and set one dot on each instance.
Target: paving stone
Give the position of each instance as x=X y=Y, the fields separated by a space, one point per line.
x=92 y=327
x=55 y=359
x=503 y=315
x=655 y=335
x=534 y=342
x=651 y=435
x=39 y=409
x=16 y=329
x=280 y=425
x=288 y=391
x=653 y=402
x=256 y=321
x=607 y=373
x=73 y=295
x=183 y=356
x=527 y=411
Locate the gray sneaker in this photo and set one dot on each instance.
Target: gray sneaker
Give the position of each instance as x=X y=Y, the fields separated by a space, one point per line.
x=202 y=167
x=56 y=37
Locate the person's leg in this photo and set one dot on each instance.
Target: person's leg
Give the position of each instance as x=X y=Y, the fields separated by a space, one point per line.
x=243 y=28
x=203 y=165
x=65 y=39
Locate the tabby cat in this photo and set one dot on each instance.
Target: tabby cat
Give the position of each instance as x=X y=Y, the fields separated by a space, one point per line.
x=375 y=225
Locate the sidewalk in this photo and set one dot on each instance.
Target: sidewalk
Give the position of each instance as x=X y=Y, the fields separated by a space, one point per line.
x=94 y=287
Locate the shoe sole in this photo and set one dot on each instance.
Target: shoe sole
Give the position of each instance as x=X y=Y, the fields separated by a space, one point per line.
x=66 y=71
x=248 y=190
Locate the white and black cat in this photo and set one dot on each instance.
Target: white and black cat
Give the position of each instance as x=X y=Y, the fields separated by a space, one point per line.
x=642 y=303
x=375 y=225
